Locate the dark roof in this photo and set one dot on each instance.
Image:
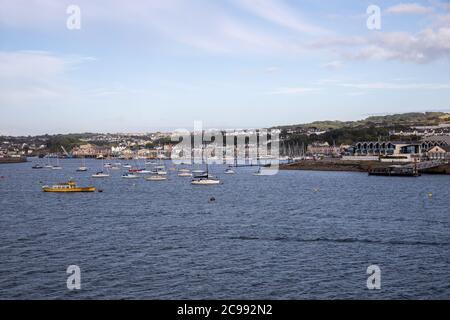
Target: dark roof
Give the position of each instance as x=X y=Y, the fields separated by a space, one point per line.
x=445 y=139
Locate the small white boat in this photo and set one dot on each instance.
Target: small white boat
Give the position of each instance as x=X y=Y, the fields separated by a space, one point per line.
x=115 y=168
x=229 y=171
x=143 y=171
x=107 y=165
x=57 y=167
x=155 y=178
x=127 y=165
x=261 y=172
x=130 y=176
x=185 y=174
x=205 y=181
x=100 y=174
x=117 y=164
x=83 y=167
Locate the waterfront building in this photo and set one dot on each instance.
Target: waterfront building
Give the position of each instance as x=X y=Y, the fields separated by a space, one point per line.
x=439 y=153
x=91 y=151
x=323 y=148
x=396 y=151
x=432 y=141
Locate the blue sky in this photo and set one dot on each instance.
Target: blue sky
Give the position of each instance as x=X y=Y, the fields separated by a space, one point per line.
x=140 y=66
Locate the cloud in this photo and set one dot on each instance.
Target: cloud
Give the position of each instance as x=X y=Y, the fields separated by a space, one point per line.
x=425 y=46
x=409 y=8
x=208 y=26
x=271 y=70
x=442 y=20
x=293 y=90
x=333 y=65
x=278 y=12
x=32 y=77
x=397 y=86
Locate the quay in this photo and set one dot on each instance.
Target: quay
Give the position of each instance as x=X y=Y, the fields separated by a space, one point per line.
x=364 y=166
x=13 y=159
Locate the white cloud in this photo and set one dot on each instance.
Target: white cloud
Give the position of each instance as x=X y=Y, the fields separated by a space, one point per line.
x=272 y=70
x=33 y=77
x=293 y=90
x=409 y=8
x=423 y=47
x=278 y=12
x=397 y=86
x=333 y=65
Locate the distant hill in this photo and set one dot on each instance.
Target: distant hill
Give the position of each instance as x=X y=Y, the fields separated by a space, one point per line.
x=371 y=128
x=389 y=121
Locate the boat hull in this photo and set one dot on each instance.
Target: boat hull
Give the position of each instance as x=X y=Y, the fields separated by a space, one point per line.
x=87 y=189
x=205 y=182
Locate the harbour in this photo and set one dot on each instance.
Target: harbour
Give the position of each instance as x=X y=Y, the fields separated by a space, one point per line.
x=256 y=240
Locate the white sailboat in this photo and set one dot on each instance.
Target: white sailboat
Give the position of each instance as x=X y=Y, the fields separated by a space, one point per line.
x=130 y=176
x=229 y=171
x=184 y=173
x=57 y=167
x=83 y=167
x=48 y=165
x=205 y=178
x=156 y=178
x=101 y=174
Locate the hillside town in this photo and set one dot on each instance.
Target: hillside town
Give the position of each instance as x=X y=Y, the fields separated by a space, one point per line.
x=393 y=143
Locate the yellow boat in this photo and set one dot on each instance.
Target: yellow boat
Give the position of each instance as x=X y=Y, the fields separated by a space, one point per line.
x=70 y=186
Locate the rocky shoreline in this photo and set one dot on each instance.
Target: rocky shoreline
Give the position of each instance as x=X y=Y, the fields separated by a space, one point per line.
x=351 y=166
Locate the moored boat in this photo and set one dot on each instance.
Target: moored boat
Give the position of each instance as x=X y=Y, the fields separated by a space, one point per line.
x=155 y=178
x=229 y=171
x=130 y=176
x=69 y=186
x=100 y=174
x=185 y=174
x=205 y=181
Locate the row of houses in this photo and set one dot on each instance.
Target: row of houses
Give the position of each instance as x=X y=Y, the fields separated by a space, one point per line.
x=92 y=151
x=432 y=147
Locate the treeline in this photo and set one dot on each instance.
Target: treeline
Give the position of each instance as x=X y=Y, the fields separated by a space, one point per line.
x=394 y=120
x=68 y=141
x=348 y=136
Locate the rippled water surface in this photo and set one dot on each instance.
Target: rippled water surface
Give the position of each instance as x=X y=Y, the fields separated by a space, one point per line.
x=295 y=235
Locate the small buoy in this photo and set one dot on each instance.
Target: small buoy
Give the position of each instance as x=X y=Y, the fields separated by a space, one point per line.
x=100 y=190
x=212 y=199
x=430 y=194
x=316 y=189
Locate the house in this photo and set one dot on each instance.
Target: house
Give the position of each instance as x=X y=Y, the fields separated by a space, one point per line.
x=439 y=153
x=388 y=151
x=89 y=151
x=322 y=148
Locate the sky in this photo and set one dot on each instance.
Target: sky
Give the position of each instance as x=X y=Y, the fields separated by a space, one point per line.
x=158 y=65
